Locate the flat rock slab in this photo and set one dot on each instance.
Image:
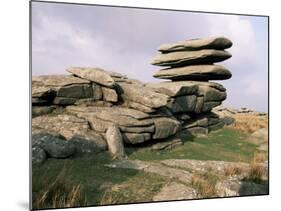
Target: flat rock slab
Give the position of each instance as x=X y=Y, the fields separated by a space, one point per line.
x=153 y=167
x=174 y=89
x=175 y=191
x=113 y=110
x=57 y=80
x=96 y=75
x=218 y=43
x=203 y=166
x=194 y=72
x=136 y=138
x=183 y=58
x=143 y=95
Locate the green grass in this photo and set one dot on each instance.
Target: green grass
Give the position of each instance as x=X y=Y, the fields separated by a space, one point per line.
x=226 y=144
x=102 y=185
x=96 y=180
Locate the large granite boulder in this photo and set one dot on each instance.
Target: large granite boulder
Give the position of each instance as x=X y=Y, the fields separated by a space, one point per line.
x=55 y=145
x=182 y=58
x=71 y=127
x=96 y=75
x=194 y=72
x=38 y=155
x=114 y=141
x=218 y=43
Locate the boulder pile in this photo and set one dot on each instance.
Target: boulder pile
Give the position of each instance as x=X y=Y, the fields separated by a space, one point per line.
x=97 y=110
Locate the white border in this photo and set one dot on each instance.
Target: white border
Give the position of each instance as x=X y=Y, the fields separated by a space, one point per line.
x=15 y=103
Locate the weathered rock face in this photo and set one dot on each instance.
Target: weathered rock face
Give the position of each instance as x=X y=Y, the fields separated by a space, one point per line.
x=219 y=43
x=93 y=110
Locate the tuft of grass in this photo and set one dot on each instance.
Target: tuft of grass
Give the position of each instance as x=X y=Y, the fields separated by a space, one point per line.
x=257 y=169
x=59 y=193
x=205 y=184
x=233 y=170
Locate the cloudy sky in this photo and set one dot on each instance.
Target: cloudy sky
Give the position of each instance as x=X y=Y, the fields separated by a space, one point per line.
x=126 y=39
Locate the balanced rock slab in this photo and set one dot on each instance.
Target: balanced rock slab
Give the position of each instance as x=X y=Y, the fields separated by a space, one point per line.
x=194 y=72
x=182 y=58
x=96 y=75
x=218 y=43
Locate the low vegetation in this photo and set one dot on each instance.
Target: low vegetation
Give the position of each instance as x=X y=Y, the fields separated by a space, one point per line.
x=83 y=181
x=86 y=181
x=58 y=193
x=249 y=122
x=205 y=184
x=257 y=169
x=226 y=145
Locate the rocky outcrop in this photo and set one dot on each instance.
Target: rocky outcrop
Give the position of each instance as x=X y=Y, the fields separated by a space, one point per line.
x=95 y=110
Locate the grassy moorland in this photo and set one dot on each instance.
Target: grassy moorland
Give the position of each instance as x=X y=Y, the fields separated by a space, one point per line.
x=83 y=181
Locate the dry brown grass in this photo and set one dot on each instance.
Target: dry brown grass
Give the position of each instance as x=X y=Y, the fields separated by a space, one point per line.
x=249 y=122
x=233 y=170
x=259 y=157
x=257 y=169
x=59 y=194
x=205 y=184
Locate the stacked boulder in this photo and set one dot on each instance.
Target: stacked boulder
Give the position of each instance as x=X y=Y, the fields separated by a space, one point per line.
x=190 y=67
x=92 y=110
